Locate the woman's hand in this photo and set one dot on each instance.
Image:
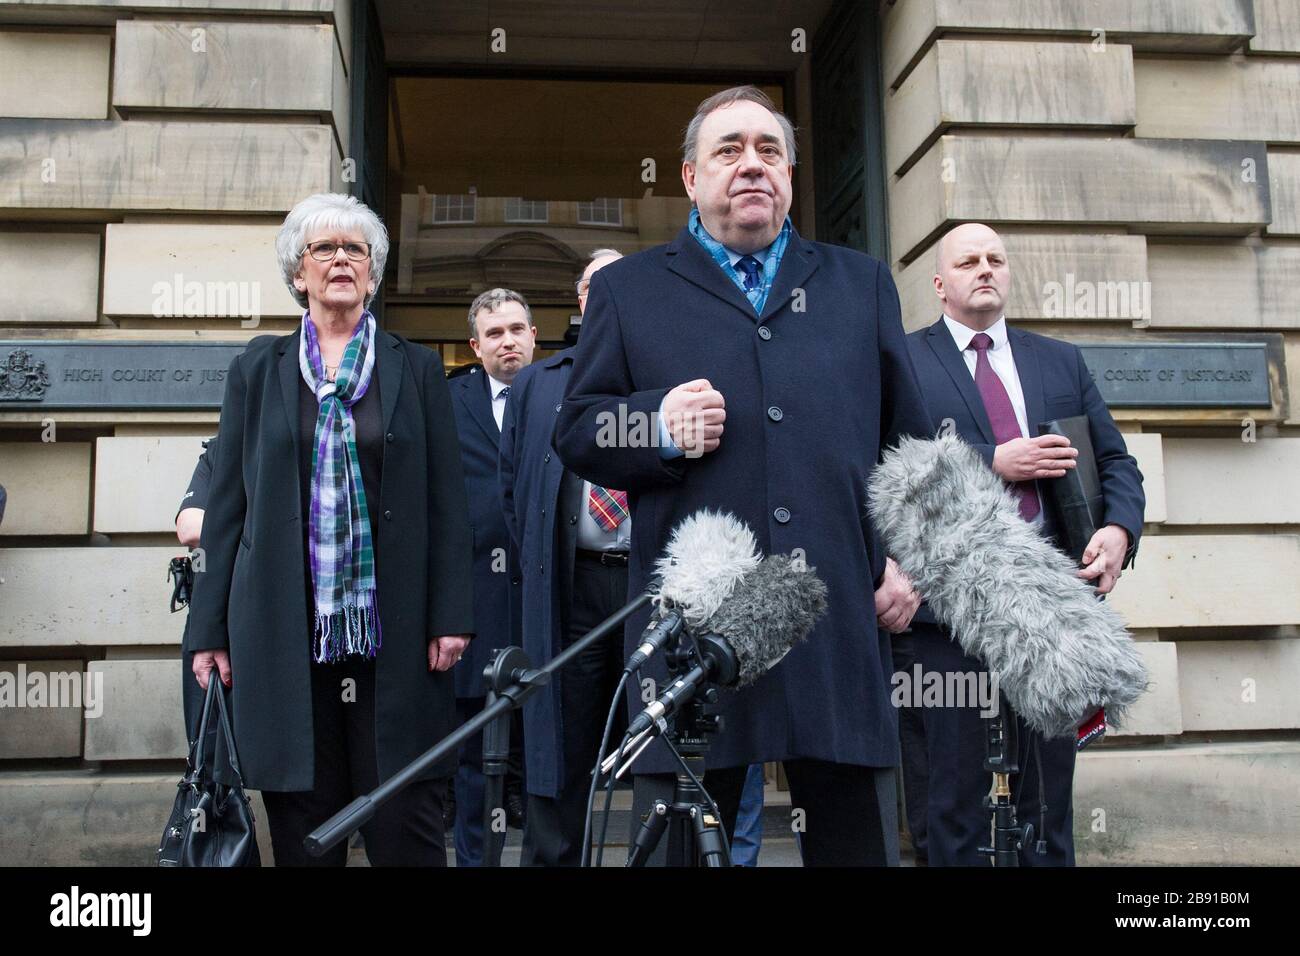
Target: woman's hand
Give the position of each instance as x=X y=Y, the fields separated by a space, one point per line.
x=446 y=651
x=204 y=661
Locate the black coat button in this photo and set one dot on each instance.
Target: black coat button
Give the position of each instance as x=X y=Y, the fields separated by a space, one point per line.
x=558 y=407
x=764 y=333
x=782 y=515
x=775 y=414
x=573 y=520
x=514 y=580
x=388 y=516
x=388 y=437
x=548 y=457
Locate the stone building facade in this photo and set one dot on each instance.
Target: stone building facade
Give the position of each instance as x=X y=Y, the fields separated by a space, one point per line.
x=1141 y=159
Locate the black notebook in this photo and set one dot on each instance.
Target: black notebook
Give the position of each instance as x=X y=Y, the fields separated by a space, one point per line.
x=1076 y=500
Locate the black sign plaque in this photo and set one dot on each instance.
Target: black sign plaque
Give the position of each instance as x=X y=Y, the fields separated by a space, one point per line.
x=128 y=375
x=1181 y=374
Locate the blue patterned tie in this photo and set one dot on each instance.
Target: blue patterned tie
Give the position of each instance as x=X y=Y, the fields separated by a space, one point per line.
x=748 y=267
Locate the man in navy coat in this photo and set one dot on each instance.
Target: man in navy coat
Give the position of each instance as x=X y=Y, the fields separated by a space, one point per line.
x=503 y=336
x=992 y=385
x=781 y=371
x=573 y=540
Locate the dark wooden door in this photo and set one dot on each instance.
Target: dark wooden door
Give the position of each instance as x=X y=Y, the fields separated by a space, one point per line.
x=369 y=110
x=848 y=140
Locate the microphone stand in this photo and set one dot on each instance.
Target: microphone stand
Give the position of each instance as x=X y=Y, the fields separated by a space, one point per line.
x=696 y=837
x=513 y=680
x=1001 y=741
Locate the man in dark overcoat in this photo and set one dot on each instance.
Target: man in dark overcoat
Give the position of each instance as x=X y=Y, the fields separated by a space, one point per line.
x=573 y=540
x=781 y=372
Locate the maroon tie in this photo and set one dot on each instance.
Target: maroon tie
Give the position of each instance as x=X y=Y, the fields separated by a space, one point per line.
x=1002 y=416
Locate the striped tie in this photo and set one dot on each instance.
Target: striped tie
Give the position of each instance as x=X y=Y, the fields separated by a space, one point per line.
x=609 y=508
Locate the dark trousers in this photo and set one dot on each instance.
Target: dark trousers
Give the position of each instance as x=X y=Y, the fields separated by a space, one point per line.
x=471 y=784
x=406 y=830
x=844 y=815
x=957 y=822
x=915 y=769
x=553 y=831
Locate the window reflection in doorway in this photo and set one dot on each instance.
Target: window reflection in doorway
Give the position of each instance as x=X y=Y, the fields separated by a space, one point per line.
x=514 y=182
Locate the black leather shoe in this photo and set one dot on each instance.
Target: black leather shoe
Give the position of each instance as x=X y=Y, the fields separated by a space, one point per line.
x=515 y=810
x=449 y=811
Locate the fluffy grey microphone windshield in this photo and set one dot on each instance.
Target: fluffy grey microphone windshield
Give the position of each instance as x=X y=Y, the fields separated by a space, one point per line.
x=709 y=553
x=1009 y=597
x=770 y=611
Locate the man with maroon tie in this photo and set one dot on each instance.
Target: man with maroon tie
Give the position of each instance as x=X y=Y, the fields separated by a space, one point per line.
x=992 y=385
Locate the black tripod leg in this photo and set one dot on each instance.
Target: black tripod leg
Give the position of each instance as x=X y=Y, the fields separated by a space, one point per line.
x=648 y=834
x=708 y=839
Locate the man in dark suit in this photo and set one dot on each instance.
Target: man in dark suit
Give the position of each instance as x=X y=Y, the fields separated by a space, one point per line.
x=798 y=347
x=992 y=385
x=503 y=337
x=573 y=540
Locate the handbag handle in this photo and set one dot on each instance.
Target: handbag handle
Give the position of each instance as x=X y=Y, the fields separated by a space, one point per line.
x=228 y=735
x=199 y=749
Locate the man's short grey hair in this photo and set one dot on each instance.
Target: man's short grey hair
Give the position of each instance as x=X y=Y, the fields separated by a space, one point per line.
x=329 y=211
x=493 y=299
x=725 y=98
x=602 y=254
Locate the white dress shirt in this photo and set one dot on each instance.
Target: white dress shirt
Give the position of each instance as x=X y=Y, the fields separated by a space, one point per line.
x=498 y=400
x=1004 y=365
x=1000 y=357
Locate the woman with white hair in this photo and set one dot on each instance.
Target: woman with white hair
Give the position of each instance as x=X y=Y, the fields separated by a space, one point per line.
x=335 y=593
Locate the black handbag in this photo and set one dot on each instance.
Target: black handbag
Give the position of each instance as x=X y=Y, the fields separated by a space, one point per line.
x=211 y=824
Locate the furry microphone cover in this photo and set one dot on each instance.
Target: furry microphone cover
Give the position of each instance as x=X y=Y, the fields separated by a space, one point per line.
x=761 y=606
x=1008 y=595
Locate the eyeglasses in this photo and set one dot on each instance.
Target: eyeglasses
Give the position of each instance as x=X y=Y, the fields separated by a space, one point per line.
x=582 y=285
x=324 y=250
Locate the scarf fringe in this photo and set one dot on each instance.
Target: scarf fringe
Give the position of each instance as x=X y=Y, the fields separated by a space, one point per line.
x=353 y=629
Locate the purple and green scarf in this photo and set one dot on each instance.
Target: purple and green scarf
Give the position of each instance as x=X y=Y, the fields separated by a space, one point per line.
x=339 y=543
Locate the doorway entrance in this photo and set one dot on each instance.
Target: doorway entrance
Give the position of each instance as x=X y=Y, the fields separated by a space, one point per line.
x=517 y=140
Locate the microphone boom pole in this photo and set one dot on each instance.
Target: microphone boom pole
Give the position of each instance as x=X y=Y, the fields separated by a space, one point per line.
x=519 y=681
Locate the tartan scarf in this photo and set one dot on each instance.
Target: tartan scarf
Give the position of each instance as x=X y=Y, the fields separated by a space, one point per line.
x=757 y=296
x=339 y=544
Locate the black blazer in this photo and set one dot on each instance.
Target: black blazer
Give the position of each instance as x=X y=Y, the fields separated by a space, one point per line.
x=251 y=597
x=496 y=568
x=1056 y=384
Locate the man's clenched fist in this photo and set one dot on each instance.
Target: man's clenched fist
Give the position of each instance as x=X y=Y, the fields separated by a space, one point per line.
x=694 y=413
